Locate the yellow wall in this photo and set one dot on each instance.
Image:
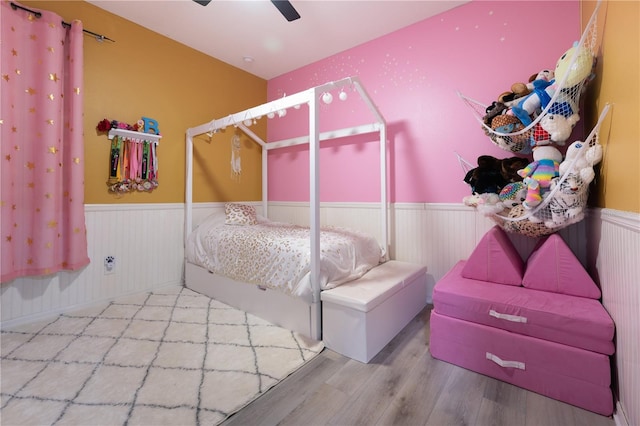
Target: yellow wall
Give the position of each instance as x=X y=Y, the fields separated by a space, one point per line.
x=146 y=74
x=617 y=82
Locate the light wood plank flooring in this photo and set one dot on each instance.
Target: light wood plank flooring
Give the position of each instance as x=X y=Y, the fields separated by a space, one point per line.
x=404 y=385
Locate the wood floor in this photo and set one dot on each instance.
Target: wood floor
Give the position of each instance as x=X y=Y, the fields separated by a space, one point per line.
x=404 y=385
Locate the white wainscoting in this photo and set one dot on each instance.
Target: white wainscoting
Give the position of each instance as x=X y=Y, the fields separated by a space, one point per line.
x=434 y=235
x=614 y=253
x=146 y=240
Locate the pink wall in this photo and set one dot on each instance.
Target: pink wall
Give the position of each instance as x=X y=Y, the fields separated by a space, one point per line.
x=413 y=74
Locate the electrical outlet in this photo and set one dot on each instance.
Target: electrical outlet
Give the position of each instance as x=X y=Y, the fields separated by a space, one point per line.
x=109 y=265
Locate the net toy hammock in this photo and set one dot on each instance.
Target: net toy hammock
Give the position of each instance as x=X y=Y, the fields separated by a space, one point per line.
x=564 y=203
x=549 y=111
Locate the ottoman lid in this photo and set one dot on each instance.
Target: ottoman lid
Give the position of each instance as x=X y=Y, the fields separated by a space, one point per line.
x=375 y=286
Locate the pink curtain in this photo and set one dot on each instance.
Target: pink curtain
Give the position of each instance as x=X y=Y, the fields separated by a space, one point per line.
x=42 y=199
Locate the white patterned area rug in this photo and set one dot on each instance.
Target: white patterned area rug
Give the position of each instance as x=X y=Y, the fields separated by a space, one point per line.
x=171 y=357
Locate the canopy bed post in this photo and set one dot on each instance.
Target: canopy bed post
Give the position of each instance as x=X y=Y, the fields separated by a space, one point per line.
x=384 y=221
x=188 y=194
x=314 y=194
x=382 y=126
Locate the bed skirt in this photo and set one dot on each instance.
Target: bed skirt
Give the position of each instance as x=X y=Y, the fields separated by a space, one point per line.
x=270 y=305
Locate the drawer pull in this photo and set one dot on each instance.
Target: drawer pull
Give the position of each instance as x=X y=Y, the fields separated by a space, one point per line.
x=505 y=364
x=512 y=318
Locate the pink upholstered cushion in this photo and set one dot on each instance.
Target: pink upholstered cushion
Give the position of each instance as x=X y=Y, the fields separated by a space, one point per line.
x=572 y=375
x=575 y=321
x=495 y=259
x=553 y=267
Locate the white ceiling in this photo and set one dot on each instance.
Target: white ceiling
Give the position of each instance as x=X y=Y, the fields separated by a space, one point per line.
x=231 y=30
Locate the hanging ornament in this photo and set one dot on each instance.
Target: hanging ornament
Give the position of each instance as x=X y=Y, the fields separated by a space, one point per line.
x=236 y=169
x=327 y=98
x=342 y=95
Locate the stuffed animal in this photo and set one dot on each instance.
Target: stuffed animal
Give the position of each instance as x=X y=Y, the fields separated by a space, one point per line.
x=509 y=168
x=568 y=201
x=513 y=195
x=570 y=72
x=558 y=127
x=544 y=75
x=566 y=74
x=487 y=177
x=492 y=173
x=535 y=102
x=496 y=108
x=508 y=99
x=538 y=174
x=503 y=126
x=528 y=227
x=476 y=200
x=518 y=90
x=580 y=159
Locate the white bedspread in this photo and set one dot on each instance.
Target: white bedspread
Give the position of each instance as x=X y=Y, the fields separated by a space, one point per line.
x=277 y=255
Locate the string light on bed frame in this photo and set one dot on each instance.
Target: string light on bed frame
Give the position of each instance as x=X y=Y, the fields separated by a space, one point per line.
x=326 y=97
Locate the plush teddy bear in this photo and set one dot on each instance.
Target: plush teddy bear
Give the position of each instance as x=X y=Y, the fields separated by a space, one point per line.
x=580 y=159
x=538 y=174
x=553 y=128
x=558 y=126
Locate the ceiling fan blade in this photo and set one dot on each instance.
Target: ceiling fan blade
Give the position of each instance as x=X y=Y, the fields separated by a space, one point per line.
x=203 y=2
x=287 y=9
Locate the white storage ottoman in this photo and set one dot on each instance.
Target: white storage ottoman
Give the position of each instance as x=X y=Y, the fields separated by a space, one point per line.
x=359 y=318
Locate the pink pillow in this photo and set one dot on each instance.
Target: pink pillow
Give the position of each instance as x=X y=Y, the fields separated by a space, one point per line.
x=553 y=267
x=495 y=259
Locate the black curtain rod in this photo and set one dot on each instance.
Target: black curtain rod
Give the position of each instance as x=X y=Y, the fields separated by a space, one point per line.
x=98 y=37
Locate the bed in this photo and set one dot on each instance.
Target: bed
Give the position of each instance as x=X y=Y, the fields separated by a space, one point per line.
x=298 y=312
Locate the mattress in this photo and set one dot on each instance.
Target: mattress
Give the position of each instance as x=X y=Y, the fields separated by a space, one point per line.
x=277 y=255
x=575 y=376
x=570 y=320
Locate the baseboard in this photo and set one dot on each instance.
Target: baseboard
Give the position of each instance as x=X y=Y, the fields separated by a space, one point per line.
x=619 y=417
x=66 y=309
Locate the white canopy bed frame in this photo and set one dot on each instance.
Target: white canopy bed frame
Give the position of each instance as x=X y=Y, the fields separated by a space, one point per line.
x=268 y=304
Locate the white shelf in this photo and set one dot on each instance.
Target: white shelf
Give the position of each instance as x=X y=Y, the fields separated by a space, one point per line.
x=136 y=136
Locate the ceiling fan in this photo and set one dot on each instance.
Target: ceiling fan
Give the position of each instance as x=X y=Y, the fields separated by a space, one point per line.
x=284 y=6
